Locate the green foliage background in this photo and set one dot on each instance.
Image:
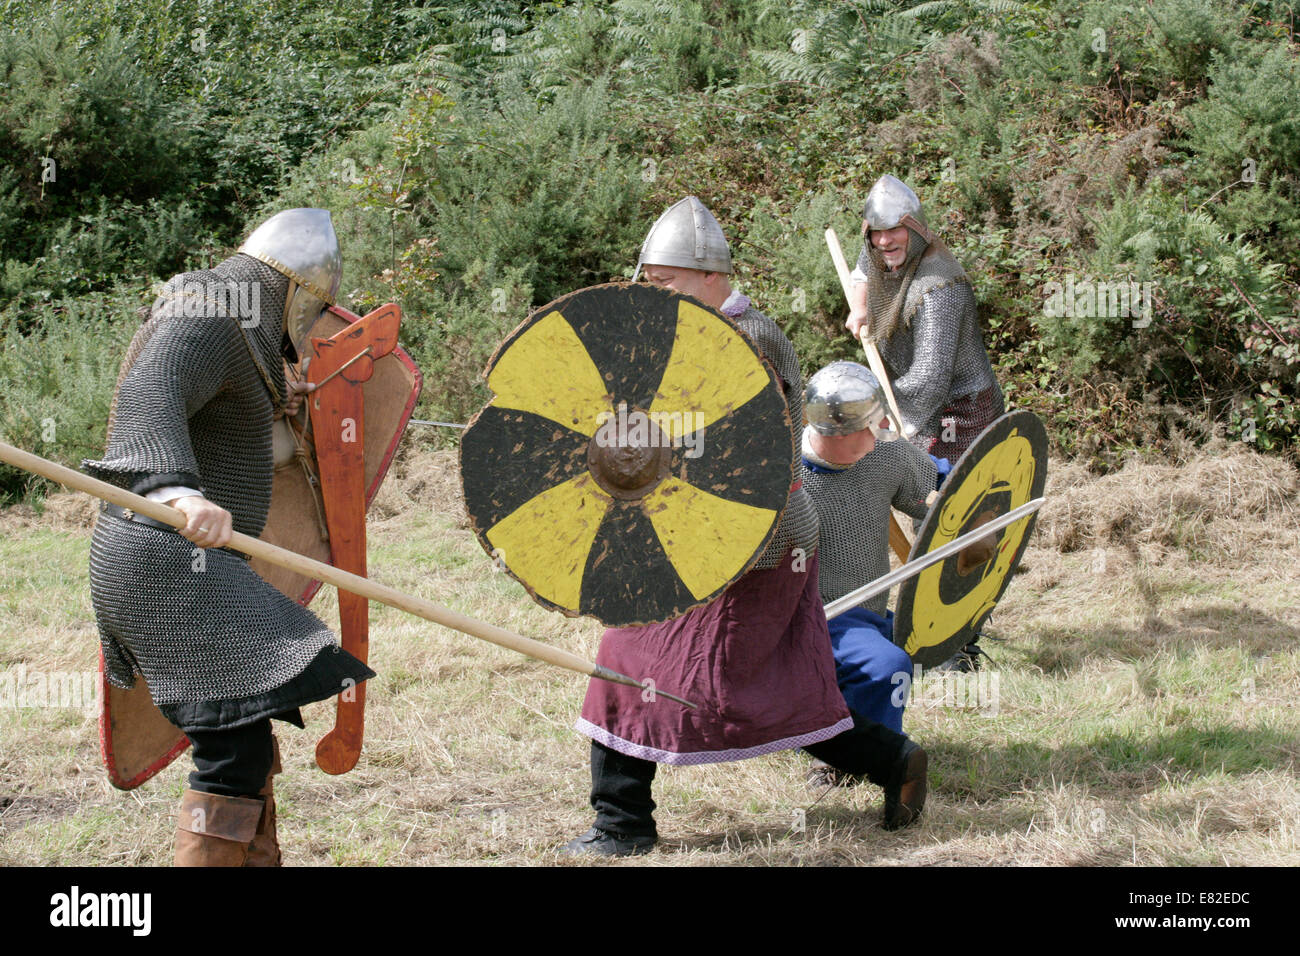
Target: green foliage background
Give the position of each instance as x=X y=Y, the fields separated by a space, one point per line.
x=482 y=158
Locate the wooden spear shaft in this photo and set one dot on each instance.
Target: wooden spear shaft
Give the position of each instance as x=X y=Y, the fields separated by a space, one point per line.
x=327 y=573
x=873 y=354
x=898 y=538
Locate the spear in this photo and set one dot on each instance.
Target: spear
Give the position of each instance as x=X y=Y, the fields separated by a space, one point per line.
x=912 y=568
x=344 y=580
x=898 y=538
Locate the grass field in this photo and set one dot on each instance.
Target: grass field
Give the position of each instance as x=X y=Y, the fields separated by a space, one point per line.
x=1146 y=666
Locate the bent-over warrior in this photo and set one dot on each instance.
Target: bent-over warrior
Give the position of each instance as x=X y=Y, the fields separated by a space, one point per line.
x=855 y=472
x=757 y=659
x=222 y=651
x=917 y=305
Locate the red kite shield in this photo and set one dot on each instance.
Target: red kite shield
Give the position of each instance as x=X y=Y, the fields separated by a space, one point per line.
x=136 y=740
x=340 y=368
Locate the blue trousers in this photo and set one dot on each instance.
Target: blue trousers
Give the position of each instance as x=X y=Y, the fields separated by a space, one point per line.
x=873 y=672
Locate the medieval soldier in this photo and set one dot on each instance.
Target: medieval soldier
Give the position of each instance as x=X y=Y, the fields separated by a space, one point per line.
x=854 y=472
x=221 y=650
x=758 y=657
x=916 y=304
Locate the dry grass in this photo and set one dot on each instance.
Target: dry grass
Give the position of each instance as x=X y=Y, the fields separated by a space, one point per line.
x=1147 y=663
x=1216 y=503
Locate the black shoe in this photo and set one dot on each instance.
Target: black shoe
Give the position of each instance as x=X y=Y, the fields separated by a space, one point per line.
x=905 y=795
x=822 y=776
x=601 y=843
x=965 y=661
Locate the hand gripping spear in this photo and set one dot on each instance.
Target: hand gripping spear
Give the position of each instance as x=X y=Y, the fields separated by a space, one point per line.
x=319 y=571
x=898 y=539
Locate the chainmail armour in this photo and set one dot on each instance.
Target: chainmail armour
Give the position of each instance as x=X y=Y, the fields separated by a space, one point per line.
x=923 y=319
x=798 y=527
x=194 y=408
x=853 y=506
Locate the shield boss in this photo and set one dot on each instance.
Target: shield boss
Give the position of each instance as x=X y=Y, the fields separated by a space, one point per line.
x=635 y=458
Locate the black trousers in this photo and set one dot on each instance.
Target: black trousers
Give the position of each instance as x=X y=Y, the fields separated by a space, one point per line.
x=869 y=750
x=232 y=763
x=620 y=785
x=620 y=792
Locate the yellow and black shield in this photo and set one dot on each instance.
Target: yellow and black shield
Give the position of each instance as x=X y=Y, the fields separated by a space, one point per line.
x=635 y=458
x=941 y=609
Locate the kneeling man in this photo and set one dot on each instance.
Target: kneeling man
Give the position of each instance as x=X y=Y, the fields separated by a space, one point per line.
x=854 y=472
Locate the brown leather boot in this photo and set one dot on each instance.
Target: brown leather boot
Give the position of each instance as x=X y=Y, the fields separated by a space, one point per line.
x=213 y=830
x=265 y=848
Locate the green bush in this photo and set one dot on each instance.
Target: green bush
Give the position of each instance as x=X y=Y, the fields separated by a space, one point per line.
x=1139 y=48
x=784 y=265
x=482 y=158
x=78 y=123
x=1223 y=330
x=1244 y=141
x=59 y=379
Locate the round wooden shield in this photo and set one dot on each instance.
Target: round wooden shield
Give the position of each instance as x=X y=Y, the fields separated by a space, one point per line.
x=941 y=609
x=635 y=458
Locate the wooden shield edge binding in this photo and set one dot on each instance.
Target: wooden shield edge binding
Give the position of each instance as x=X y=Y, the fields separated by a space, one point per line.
x=154 y=740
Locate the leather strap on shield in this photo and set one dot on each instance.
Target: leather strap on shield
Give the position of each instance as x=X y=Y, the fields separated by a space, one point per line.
x=942 y=609
x=136 y=740
x=635 y=459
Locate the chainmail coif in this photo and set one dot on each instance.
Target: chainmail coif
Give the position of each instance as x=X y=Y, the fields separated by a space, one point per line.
x=194 y=407
x=934 y=350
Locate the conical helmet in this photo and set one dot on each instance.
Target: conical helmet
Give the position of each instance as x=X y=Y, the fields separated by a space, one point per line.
x=889 y=202
x=686 y=236
x=844 y=398
x=301 y=244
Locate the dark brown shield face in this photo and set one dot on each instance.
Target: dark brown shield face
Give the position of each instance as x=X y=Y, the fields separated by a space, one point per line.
x=635 y=459
x=136 y=740
x=941 y=609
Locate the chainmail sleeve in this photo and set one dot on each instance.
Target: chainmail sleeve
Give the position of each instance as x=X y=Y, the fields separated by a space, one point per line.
x=916 y=477
x=182 y=367
x=799 y=526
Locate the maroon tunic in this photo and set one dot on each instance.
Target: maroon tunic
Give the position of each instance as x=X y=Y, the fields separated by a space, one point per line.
x=757 y=661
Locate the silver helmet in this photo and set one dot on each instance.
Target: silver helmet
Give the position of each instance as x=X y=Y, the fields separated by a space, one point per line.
x=301 y=244
x=889 y=203
x=686 y=236
x=844 y=398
